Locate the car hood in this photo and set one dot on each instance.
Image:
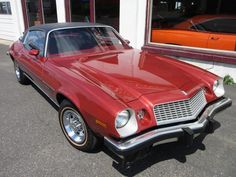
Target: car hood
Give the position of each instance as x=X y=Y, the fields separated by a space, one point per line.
x=130 y=74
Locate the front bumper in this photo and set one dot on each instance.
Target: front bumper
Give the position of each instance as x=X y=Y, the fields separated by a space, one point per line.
x=186 y=131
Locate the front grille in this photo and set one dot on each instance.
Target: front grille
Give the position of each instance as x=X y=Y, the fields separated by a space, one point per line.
x=180 y=110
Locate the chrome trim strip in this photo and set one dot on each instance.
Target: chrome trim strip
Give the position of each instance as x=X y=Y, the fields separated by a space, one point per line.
x=141 y=140
x=40 y=89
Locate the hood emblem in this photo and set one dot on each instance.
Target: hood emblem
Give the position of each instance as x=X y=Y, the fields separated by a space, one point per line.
x=184 y=92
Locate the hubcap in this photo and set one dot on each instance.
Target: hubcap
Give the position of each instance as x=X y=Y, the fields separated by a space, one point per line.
x=17 y=71
x=74 y=126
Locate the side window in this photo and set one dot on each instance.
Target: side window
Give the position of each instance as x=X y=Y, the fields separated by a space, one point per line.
x=210 y=26
x=37 y=39
x=225 y=25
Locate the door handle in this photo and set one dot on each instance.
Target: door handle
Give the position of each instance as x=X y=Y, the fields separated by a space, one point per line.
x=215 y=38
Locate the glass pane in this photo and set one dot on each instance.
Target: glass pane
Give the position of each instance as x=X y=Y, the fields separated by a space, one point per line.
x=84 y=40
x=80 y=10
x=195 y=23
x=50 y=11
x=33 y=12
x=36 y=38
x=107 y=12
x=5 y=8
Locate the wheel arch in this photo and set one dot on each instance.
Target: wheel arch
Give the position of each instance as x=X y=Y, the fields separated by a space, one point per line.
x=12 y=58
x=61 y=96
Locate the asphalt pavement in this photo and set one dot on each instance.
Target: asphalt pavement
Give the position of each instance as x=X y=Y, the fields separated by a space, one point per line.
x=32 y=143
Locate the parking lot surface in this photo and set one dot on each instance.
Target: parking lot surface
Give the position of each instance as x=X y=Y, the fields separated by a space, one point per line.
x=32 y=143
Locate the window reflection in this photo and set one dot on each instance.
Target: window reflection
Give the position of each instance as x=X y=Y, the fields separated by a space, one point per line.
x=107 y=12
x=80 y=10
x=5 y=8
x=195 y=23
x=50 y=11
x=33 y=12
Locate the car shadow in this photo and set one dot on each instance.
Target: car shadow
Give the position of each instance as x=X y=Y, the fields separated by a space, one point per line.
x=156 y=154
x=45 y=96
x=159 y=153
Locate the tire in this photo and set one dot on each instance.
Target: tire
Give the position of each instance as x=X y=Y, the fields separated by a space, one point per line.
x=21 y=78
x=76 y=129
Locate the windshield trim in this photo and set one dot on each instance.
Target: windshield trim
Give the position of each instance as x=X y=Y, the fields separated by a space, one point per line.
x=95 y=26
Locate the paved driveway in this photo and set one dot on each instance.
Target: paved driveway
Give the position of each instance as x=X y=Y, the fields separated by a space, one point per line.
x=32 y=143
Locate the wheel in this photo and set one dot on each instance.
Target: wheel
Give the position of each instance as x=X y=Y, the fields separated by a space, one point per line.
x=75 y=128
x=21 y=78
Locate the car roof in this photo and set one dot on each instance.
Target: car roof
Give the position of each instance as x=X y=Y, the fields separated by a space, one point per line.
x=53 y=26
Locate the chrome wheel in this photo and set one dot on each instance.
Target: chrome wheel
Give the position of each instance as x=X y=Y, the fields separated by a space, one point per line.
x=17 y=71
x=74 y=126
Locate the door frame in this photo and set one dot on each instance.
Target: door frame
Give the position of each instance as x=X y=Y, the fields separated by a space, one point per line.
x=25 y=15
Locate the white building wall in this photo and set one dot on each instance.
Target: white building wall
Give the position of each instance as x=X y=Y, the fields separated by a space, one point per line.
x=12 y=26
x=132 y=21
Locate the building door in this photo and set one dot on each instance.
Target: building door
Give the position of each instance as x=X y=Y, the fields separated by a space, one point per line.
x=80 y=11
x=100 y=11
x=107 y=12
x=38 y=12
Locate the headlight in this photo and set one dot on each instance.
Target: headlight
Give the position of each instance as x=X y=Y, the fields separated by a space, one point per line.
x=126 y=123
x=122 y=118
x=218 y=88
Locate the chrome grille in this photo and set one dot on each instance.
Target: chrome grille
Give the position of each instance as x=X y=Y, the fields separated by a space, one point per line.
x=180 y=110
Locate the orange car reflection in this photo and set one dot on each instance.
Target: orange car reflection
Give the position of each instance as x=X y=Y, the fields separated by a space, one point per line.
x=205 y=31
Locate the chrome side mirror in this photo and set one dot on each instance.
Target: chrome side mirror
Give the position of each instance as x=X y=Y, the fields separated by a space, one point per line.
x=127 y=41
x=21 y=38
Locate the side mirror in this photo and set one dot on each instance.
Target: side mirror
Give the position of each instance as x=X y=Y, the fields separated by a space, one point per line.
x=127 y=41
x=34 y=52
x=21 y=38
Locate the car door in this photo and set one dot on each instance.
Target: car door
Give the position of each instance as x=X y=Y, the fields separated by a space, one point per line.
x=181 y=37
x=32 y=65
x=222 y=33
x=222 y=41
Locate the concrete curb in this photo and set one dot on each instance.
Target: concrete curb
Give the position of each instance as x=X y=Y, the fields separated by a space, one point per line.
x=5 y=42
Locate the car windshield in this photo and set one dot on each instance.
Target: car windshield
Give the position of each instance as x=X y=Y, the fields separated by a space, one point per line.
x=83 y=40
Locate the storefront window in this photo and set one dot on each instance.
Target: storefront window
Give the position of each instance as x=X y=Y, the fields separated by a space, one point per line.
x=80 y=10
x=107 y=12
x=39 y=11
x=209 y=24
x=34 y=13
x=50 y=11
x=5 y=8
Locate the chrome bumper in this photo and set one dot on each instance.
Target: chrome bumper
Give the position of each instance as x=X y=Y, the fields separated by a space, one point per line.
x=162 y=134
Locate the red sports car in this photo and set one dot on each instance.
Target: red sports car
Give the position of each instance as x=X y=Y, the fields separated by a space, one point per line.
x=109 y=92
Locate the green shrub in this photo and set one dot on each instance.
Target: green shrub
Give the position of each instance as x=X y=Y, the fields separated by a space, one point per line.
x=228 y=80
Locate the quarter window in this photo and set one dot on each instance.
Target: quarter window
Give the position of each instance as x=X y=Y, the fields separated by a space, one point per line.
x=37 y=39
x=219 y=25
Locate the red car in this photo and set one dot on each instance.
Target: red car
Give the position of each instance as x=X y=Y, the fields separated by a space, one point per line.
x=108 y=91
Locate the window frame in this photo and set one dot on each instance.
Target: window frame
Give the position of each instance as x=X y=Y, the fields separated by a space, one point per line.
x=223 y=56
